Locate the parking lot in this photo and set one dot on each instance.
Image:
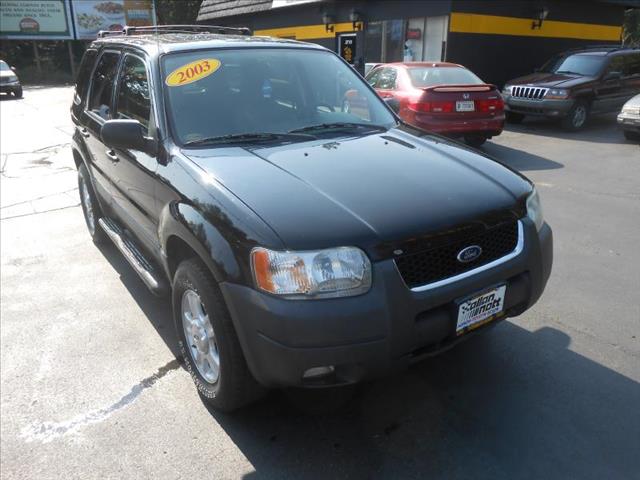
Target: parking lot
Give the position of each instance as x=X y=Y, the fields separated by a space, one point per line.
x=91 y=388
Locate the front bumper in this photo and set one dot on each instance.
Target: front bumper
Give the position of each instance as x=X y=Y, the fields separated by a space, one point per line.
x=630 y=122
x=545 y=107
x=10 y=87
x=379 y=332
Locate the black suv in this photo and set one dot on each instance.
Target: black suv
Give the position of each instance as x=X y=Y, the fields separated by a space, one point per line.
x=302 y=245
x=573 y=85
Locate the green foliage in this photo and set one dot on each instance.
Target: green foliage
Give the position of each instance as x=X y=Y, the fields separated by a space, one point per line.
x=631 y=28
x=177 y=12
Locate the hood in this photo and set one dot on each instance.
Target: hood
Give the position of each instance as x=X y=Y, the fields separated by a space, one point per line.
x=7 y=73
x=364 y=191
x=550 y=80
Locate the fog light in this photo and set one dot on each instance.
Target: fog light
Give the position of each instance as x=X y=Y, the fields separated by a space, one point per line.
x=318 y=372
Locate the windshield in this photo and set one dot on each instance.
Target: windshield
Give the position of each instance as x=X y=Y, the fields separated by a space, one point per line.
x=3 y=65
x=231 y=92
x=578 y=64
x=422 y=77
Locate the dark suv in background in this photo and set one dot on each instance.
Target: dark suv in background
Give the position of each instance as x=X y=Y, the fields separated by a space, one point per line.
x=574 y=85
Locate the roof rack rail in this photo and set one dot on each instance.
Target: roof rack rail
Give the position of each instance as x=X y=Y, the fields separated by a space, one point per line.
x=609 y=47
x=158 y=29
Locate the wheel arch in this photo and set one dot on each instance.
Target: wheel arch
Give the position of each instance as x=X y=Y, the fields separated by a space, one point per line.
x=186 y=233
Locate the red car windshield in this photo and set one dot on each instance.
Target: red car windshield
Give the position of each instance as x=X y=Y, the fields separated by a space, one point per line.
x=422 y=77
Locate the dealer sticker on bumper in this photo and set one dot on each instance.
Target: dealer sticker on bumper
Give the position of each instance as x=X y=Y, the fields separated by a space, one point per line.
x=480 y=309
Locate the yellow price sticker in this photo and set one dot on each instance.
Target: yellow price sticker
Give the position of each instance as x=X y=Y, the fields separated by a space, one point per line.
x=192 y=72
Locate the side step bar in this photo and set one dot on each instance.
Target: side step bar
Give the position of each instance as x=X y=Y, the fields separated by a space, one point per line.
x=151 y=277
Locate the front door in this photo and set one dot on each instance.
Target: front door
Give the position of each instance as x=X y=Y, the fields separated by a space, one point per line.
x=133 y=171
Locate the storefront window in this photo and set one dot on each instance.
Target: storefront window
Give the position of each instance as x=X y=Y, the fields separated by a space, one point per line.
x=384 y=41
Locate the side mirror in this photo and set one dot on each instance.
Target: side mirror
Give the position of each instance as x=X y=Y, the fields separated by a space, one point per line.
x=126 y=135
x=393 y=103
x=13 y=68
x=613 y=76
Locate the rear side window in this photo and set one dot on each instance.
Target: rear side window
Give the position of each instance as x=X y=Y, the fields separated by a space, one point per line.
x=102 y=85
x=632 y=64
x=133 y=92
x=84 y=72
x=387 y=80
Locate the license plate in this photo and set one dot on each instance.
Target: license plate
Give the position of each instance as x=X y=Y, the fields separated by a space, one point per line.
x=480 y=309
x=465 y=106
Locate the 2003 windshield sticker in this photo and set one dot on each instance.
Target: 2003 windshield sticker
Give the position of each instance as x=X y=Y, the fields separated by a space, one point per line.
x=192 y=72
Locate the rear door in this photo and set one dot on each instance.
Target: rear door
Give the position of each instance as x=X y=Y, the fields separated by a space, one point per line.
x=631 y=75
x=98 y=110
x=610 y=95
x=133 y=172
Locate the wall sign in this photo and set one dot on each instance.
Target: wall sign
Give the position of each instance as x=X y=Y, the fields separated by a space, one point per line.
x=347 y=47
x=35 y=20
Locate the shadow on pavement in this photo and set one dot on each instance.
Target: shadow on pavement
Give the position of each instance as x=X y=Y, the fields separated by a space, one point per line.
x=599 y=129
x=519 y=159
x=507 y=404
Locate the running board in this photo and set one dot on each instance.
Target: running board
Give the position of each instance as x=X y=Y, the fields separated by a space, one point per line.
x=143 y=267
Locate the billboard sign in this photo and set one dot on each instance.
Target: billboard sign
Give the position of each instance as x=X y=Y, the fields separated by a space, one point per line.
x=35 y=20
x=91 y=16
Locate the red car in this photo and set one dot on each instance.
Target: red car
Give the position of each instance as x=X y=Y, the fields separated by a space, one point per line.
x=441 y=97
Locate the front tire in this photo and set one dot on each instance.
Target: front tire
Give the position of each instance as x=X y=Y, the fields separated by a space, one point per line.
x=18 y=92
x=90 y=206
x=207 y=340
x=577 y=117
x=633 y=136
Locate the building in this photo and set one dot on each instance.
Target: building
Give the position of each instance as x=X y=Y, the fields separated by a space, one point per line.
x=497 y=39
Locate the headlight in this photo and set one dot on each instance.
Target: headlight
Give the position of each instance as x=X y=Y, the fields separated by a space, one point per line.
x=336 y=272
x=557 y=93
x=534 y=209
x=507 y=90
x=631 y=110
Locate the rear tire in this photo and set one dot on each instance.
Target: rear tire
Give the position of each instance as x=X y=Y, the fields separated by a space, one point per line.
x=90 y=206
x=633 y=136
x=209 y=345
x=474 y=140
x=513 y=117
x=577 y=117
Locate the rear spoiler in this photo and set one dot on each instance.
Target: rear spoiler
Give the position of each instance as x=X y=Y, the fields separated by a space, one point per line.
x=461 y=88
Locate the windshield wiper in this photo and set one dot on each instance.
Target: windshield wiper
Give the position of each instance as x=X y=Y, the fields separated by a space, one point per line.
x=569 y=72
x=340 y=126
x=248 y=138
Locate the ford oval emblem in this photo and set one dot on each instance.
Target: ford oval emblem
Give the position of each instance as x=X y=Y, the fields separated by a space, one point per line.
x=469 y=254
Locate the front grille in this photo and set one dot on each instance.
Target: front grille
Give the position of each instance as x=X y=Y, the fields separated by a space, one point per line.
x=531 y=93
x=441 y=262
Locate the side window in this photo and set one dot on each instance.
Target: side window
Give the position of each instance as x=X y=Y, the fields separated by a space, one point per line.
x=82 y=82
x=102 y=85
x=373 y=76
x=133 y=92
x=632 y=64
x=616 y=65
x=387 y=80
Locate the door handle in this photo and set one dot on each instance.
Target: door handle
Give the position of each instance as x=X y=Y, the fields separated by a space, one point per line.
x=112 y=156
x=85 y=133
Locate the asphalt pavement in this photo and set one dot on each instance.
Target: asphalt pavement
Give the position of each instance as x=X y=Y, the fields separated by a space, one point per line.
x=90 y=386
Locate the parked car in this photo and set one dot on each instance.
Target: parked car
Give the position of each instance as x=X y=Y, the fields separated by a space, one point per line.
x=9 y=81
x=301 y=245
x=368 y=67
x=629 y=119
x=574 y=85
x=441 y=97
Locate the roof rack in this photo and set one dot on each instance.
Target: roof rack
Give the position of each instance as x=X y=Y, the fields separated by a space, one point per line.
x=608 y=47
x=158 y=29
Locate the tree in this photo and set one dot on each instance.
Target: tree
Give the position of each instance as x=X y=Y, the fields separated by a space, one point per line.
x=631 y=28
x=177 y=12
